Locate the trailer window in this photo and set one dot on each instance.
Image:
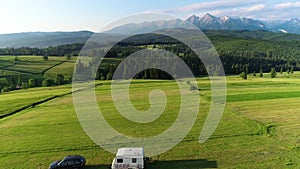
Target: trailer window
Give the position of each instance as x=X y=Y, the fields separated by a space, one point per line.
x=133 y=160
x=119 y=160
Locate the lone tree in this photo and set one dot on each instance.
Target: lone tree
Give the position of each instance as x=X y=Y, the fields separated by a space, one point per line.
x=273 y=73
x=261 y=73
x=17 y=58
x=45 y=57
x=244 y=74
x=69 y=56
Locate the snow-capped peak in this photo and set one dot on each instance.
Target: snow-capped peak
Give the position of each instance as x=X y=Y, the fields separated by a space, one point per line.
x=193 y=18
x=225 y=18
x=208 y=18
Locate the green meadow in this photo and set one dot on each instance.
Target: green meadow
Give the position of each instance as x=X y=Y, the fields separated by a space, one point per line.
x=28 y=64
x=259 y=127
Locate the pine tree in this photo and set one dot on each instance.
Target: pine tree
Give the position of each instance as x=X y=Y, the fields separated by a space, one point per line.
x=244 y=75
x=261 y=74
x=273 y=73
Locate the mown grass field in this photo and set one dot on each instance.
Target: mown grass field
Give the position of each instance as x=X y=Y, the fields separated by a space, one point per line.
x=28 y=64
x=15 y=100
x=36 y=65
x=259 y=128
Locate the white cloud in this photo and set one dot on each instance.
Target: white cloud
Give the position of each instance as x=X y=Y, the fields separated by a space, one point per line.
x=258 y=9
x=218 y=4
x=254 y=8
x=287 y=5
x=242 y=12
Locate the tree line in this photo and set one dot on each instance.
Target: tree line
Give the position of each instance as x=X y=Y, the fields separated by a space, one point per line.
x=15 y=82
x=61 y=50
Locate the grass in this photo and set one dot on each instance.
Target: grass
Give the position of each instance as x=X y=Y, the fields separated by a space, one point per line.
x=16 y=100
x=36 y=65
x=65 y=69
x=27 y=65
x=259 y=128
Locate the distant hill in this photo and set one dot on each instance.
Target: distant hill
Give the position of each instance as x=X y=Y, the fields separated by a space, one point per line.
x=43 y=39
x=146 y=27
x=290 y=26
x=257 y=34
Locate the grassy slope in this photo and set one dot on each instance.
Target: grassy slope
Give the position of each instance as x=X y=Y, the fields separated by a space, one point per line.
x=256 y=131
x=65 y=69
x=36 y=65
x=15 y=100
x=28 y=64
x=276 y=104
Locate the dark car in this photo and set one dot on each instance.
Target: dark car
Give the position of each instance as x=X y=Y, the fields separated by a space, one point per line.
x=70 y=162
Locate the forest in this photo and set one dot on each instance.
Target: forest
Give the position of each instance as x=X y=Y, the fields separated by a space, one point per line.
x=61 y=50
x=240 y=52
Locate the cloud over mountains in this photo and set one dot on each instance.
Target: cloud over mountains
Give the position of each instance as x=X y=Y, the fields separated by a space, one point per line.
x=265 y=10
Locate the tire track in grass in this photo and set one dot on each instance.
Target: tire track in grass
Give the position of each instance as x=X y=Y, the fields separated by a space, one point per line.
x=32 y=73
x=33 y=105
x=43 y=101
x=47 y=150
x=263 y=96
x=258 y=130
x=60 y=63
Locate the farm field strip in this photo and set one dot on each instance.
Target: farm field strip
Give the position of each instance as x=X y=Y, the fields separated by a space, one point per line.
x=30 y=64
x=65 y=68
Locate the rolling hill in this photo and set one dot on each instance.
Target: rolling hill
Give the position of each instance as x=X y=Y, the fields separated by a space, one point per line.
x=43 y=39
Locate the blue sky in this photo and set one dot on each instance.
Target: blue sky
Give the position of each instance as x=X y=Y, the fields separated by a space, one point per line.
x=74 y=15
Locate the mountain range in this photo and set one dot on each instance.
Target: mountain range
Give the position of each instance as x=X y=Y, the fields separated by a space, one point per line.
x=206 y=22
x=210 y=22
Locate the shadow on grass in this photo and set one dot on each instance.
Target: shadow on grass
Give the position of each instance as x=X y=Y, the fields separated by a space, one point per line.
x=103 y=166
x=176 y=164
x=182 y=164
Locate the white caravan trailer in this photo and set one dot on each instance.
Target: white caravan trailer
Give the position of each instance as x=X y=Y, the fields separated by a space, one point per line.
x=129 y=158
